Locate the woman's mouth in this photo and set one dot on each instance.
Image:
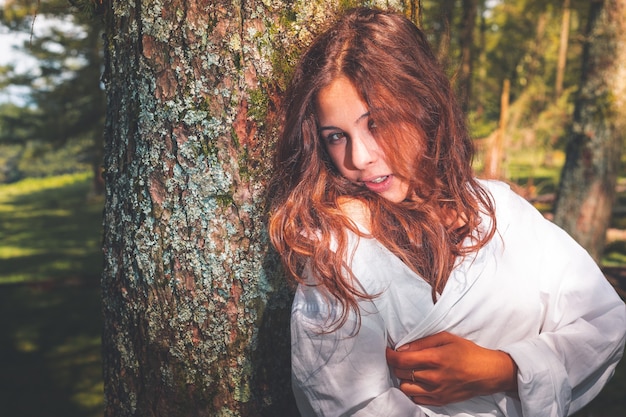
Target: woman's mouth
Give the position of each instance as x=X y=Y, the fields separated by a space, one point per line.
x=379 y=184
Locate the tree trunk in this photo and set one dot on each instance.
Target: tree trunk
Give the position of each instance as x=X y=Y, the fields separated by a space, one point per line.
x=442 y=32
x=414 y=12
x=466 y=43
x=561 y=64
x=93 y=55
x=196 y=309
x=588 y=180
x=481 y=74
x=494 y=155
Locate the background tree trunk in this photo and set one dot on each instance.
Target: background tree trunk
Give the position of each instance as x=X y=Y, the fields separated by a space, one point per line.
x=588 y=180
x=444 y=22
x=495 y=143
x=564 y=40
x=466 y=44
x=196 y=309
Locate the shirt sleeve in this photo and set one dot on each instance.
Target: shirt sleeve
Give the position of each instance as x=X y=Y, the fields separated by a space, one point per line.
x=342 y=371
x=584 y=321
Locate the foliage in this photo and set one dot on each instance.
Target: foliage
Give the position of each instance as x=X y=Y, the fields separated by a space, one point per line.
x=34 y=159
x=66 y=103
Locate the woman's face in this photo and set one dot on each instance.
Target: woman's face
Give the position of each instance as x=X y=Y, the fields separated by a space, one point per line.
x=346 y=129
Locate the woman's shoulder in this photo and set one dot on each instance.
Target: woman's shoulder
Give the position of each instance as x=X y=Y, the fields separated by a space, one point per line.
x=504 y=195
x=510 y=207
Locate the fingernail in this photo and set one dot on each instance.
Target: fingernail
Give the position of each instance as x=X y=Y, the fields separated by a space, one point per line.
x=402 y=348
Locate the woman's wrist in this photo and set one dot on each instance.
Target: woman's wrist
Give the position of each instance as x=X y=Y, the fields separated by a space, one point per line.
x=507 y=375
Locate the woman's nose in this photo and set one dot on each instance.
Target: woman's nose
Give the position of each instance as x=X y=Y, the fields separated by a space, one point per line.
x=363 y=151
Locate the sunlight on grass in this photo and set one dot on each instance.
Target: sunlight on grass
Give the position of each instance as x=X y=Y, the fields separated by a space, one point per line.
x=74 y=366
x=7 y=252
x=29 y=185
x=90 y=397
x=51 y=351
x=611 y=258
x=49 y=229
x=26 y=346
x=528 y=166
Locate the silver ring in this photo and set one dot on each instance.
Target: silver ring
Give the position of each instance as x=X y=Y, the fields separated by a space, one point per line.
x=413 y=375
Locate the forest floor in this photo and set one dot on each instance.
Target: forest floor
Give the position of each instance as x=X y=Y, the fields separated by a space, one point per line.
x=50 y=310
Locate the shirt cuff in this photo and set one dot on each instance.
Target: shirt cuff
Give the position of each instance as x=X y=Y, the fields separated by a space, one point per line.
x=543 y=385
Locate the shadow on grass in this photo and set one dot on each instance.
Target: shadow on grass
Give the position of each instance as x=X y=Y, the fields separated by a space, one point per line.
x=50 y=309
x=50 y=346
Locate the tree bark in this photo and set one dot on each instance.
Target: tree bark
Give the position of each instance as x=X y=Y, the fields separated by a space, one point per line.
x=588 y=179
x=196 y=308
x=564 y=40
x=466 y=43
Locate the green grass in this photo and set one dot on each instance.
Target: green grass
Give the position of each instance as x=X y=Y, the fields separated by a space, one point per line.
x=51 y=364
x=50 y=312
x=49 y=229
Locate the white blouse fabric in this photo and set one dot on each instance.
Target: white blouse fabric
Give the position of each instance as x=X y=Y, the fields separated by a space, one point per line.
x=532 y=292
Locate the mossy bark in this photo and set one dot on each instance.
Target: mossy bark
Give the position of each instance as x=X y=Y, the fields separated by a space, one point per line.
x=588 y=181
x=196 y=308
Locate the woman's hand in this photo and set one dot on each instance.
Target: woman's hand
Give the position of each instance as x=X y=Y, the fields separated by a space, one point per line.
x=444 y=368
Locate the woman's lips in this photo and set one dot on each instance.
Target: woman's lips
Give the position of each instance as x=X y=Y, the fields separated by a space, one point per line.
x=379 y=184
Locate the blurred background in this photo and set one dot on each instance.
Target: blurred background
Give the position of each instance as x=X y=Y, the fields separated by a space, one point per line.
x=51 y=193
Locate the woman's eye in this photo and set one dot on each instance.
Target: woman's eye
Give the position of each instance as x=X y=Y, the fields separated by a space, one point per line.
x=334 y=138
x=371 y=125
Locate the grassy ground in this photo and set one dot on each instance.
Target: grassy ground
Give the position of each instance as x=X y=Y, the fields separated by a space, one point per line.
x=50 y=265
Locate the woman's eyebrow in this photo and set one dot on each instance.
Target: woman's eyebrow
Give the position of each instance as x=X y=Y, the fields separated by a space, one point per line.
x=361 y=117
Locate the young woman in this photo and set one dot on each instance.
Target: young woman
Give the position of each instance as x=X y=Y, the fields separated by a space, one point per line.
x=488 y=308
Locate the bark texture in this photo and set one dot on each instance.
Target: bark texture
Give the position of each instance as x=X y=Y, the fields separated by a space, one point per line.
x=196 y=308
x=587 y=189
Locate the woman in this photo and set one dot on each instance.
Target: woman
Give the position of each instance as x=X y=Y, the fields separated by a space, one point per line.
x=489 y=310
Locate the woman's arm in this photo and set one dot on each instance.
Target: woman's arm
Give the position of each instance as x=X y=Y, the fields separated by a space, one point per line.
x=342 y=372
x=567 y=350
x=582 y=334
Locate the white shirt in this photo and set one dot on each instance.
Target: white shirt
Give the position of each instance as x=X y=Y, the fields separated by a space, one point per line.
x=532 y=292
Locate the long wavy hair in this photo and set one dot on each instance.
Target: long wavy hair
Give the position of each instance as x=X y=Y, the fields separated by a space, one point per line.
x=423 y=135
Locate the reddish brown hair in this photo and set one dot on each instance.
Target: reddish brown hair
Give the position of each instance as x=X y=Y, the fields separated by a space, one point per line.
x=423 y=135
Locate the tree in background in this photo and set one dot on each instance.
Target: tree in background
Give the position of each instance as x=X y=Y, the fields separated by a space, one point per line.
x=466 y=43
x=588 y=181
x=564 y=40
x=65 y=107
